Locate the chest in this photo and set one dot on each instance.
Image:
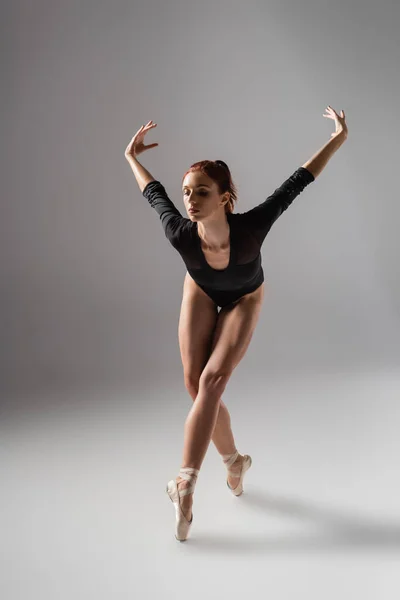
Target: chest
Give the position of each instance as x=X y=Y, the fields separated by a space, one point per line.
x=217 y=260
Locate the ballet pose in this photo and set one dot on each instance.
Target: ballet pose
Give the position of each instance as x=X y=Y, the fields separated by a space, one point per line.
x=223 y=291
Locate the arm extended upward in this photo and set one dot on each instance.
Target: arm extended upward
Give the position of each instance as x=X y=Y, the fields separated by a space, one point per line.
x=143 y=176
x=320 y=159
x=315 y=165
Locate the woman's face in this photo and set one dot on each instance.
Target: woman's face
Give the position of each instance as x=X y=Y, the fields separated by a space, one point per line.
x=201 y=192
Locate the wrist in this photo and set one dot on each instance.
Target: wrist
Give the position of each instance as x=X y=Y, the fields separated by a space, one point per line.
x=341 y=134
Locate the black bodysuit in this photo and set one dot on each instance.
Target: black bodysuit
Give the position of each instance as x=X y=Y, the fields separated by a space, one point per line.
x=244 y=273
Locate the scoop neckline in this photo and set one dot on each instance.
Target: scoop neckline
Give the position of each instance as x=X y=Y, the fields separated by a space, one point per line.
x=231 y=250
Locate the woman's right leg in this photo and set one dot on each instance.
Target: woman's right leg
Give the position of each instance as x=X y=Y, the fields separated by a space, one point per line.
x=197 y=322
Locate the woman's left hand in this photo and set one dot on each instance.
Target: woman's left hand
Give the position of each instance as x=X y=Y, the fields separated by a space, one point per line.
x=340 y=121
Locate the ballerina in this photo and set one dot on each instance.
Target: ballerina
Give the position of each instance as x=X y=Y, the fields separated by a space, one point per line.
x=223 y=292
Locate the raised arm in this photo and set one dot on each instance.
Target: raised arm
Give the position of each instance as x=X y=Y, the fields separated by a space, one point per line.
x=171 y=218
x=320 y=159
x=135 y=147
x=260 y=219
x=143 y=176
x=152 y=189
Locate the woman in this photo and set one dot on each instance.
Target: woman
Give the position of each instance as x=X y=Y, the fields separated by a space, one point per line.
x=221 y=251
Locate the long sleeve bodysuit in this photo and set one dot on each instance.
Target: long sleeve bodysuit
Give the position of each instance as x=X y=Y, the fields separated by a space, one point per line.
x=244 y=273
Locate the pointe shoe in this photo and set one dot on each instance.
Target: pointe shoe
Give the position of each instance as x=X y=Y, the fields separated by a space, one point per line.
x=229 y=459
x=182 y=525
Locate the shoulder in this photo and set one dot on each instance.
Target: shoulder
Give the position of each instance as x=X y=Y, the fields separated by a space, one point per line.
x=237 y=219
x=181 y=232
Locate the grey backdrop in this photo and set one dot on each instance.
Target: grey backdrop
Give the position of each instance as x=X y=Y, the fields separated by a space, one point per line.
x=91 y=288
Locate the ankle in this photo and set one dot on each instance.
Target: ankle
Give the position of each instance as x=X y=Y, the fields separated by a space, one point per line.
x=231 y=458
x=240 y=457
x=184 y=482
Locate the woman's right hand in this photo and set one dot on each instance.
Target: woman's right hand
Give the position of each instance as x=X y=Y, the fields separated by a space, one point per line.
x=136 y=145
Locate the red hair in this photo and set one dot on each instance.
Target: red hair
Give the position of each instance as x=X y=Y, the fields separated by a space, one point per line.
x=219 y=172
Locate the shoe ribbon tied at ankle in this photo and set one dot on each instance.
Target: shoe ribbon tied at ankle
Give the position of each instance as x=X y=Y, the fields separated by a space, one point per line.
x=229 y=459
x=189 y=474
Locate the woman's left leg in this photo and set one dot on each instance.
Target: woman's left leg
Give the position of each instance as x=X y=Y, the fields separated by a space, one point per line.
x=233 y=333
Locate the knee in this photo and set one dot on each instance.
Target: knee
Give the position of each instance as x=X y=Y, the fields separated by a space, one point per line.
x=214 y=382
x=192 y=385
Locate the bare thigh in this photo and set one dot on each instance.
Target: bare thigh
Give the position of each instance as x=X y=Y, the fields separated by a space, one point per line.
x=197 y=322
x=233 y=333
x=210 y=339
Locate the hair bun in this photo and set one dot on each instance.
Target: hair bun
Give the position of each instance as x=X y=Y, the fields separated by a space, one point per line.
x=221 y=163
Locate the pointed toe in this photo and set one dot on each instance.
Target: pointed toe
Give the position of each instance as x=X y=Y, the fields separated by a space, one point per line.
x=246 y=464
x=182 y=525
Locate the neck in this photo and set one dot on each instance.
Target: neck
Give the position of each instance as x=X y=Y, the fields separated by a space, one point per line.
x=214 y=233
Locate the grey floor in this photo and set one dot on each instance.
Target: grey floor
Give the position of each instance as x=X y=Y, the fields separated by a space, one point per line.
x=84 y=513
